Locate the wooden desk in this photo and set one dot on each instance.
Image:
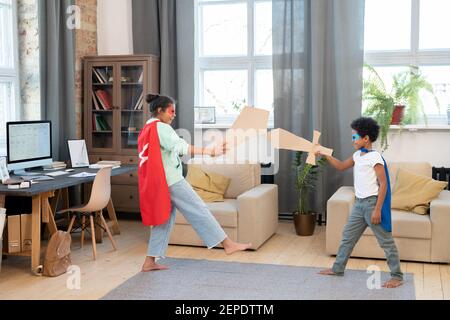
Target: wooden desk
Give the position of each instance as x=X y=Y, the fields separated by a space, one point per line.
x=43 y=210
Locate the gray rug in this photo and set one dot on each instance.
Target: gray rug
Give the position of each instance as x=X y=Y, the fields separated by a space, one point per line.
x=216 y=280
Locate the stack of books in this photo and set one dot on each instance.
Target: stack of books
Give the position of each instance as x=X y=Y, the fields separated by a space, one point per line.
x=56 y=165
x=103 y=164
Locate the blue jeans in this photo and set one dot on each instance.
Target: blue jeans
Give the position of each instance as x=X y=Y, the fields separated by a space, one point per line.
x=187 y=201
x=359 y=220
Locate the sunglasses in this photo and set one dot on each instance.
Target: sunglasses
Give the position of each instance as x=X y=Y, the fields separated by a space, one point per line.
x=355 y=137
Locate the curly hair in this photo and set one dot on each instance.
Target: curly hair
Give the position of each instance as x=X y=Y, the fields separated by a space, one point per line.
x=366 y=127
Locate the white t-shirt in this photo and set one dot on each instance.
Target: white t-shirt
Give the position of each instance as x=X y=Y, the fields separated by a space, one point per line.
x=365 y=178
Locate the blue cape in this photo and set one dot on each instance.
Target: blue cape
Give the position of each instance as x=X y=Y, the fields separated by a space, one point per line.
x=386 y=220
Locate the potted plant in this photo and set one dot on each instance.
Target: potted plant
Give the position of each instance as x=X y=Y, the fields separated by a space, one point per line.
x=306 y=178
x=380 y=104
x=402 y=105
x=407 y=87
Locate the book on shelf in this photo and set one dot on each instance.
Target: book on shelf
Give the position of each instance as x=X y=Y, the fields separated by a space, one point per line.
x=104 y=124
x=94 y=99
x=141 y=77
x=102 y=73
x=96 y=124
x=104 y=98
x=140 y=103
x=97 y=76
x=101 y=124
x=136 y=96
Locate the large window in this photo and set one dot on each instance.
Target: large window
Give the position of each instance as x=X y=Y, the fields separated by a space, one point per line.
x=234 y=56
x=8 y=68
x=404 y=33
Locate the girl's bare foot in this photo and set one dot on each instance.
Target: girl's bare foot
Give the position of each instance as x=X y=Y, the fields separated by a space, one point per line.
x=231 y=247
x=393 y=283
x=327 y=272
x=151 y=265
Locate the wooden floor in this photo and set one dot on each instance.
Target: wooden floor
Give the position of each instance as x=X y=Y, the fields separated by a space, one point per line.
x=112 y=268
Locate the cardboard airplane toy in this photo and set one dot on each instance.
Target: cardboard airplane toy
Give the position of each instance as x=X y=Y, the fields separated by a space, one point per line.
x=257 y=119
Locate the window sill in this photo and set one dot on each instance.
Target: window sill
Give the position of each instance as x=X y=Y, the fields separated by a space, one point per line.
x=410 y=128
x=219 y=126
x=414 y=128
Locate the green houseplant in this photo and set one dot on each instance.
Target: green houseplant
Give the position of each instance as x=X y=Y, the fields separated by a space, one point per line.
x=306 y=179
x=383 y=105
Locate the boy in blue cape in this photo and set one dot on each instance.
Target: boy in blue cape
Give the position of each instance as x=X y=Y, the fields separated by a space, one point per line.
x=372 y=206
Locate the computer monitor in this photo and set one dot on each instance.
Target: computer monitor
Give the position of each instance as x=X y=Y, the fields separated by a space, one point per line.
x=29 y=145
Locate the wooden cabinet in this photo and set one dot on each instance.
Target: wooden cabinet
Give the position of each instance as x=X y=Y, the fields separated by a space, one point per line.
x=115 y=111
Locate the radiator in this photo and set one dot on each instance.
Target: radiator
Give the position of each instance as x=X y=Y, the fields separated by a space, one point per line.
x=442 y=174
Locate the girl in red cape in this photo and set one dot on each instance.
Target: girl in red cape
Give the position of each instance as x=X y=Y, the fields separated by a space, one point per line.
x=163 y=189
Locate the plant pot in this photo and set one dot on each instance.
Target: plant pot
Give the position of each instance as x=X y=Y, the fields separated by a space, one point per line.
x=398 y=114
x=305 y=224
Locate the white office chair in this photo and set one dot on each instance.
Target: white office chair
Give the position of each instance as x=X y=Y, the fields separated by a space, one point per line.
x=100 y=195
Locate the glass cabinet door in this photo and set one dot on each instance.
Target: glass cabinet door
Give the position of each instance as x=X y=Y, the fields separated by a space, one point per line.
x=101 y=108
x=132 y=104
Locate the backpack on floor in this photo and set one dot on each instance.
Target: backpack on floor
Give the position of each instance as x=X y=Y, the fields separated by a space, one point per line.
x=57 y=257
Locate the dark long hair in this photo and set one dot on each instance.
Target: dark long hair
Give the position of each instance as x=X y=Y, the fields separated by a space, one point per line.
x=157 y=101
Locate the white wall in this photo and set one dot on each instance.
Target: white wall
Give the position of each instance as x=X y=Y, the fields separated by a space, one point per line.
x=430 y=145
x=114 y=27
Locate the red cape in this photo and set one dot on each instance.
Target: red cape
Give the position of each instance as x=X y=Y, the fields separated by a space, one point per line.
x=154 y=196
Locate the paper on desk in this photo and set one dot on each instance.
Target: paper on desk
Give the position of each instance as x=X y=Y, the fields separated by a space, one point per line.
x=83 y=175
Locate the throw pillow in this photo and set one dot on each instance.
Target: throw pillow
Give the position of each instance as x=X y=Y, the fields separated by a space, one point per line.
x=210 y=186
x=414 y=192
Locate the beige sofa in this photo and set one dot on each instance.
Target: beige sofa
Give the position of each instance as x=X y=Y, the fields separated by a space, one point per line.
x=249 y=213
x=418 y=237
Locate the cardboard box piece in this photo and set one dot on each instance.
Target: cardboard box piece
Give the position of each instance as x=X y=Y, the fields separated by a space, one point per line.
x=25 y=232
x=14 y=244
x=17 y=234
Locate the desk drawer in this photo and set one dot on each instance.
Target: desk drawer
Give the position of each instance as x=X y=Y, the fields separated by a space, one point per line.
x=94 y=158
x=126 y=179
x=125 y=198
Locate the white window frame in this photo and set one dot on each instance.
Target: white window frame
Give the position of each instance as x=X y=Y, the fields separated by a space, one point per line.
x=251 y=62
x=12 y=74
x=414 y=56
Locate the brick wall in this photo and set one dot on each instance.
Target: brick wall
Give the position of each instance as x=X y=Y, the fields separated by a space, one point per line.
x=85 y=44
x=30 y=96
